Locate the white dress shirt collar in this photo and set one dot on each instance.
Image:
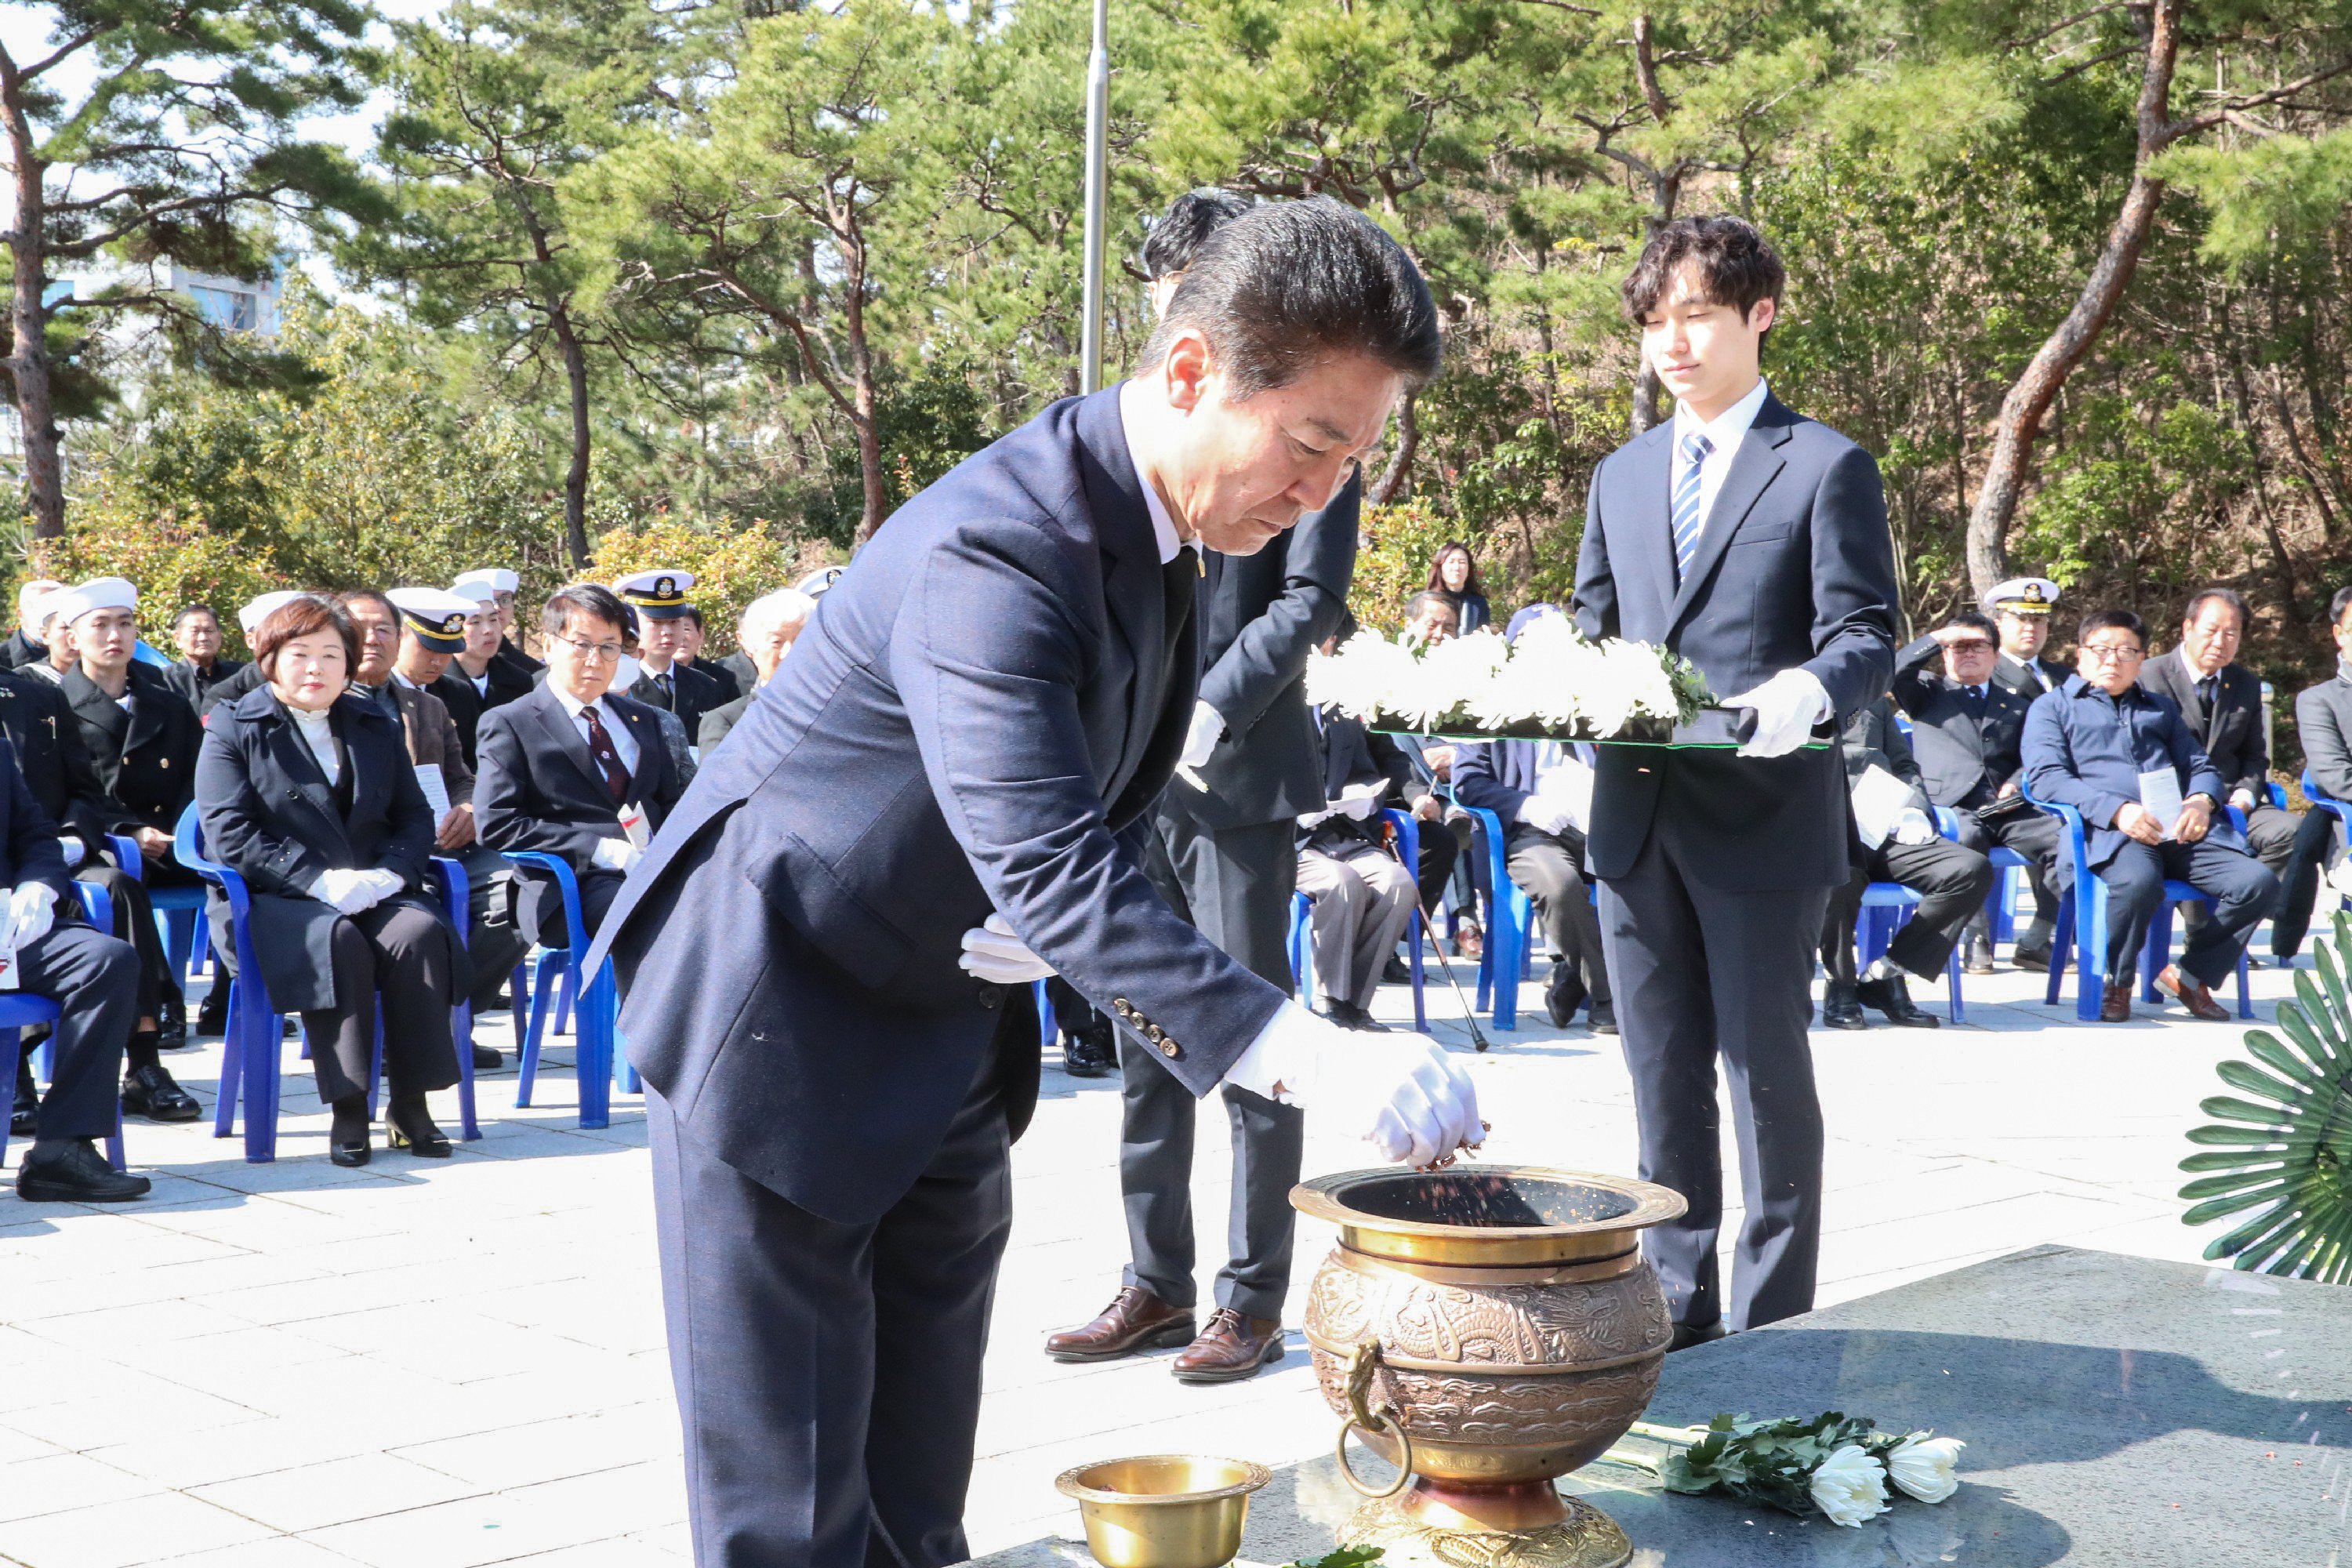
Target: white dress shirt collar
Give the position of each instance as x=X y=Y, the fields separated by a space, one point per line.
x=1163 y=527
x=1724 y=433
x=572 y=705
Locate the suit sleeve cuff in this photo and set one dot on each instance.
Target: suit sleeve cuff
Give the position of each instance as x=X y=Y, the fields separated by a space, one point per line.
x=1283 y=1054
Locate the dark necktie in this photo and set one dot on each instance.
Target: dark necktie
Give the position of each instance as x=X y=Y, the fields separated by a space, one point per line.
x=1179 y=578
x=663 y=680
x=608 y=759
x=1976 y=702
x=2208 y=692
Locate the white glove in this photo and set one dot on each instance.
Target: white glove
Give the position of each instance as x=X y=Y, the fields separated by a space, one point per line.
x=348 y=891
x=1545 y=815
x=615 y=855
x=1786 y=708
x=32 y=911
x=1201 y=740
x=1403 y=1094
x=383 y=883
x=1359 y=801
x=993 y=953
x=1915 y=827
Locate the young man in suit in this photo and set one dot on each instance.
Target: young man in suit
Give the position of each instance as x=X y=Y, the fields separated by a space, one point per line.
x=827 y=988
x=476 y=680
x=1752 y=540
x=142 y=741
x=2323 y=723
x=196 y=631
x=692 y=634
x=664 y=681
x=2092 y=744
x=1224 y=856
x=2020 y=610
x=2220 y=700
x=1967 y=728
x=499 y=585
x=566 y=766
x=1951 y=879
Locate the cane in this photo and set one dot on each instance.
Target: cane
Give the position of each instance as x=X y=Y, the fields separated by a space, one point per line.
x=1437 y=949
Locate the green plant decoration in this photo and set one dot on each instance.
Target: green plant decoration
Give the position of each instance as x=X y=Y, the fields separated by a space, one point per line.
x=2287 y=1152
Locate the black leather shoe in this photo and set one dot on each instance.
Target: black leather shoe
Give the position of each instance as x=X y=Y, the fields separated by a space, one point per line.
x=1891 y=997
x=1977 y=958
x=1396 y=971
x=1347 y=1016
x=153 y=1093
x=1564 y=993
x=1685 y=1336
x=77 y=1175
x=1839 y=1010
x=1092 y=1052
x=347 y=1134
x=487 y=1059
x=25 y=1114
x=212 y=1017
x=2036 y=960
x=1603 y=1020
x=407 y=1124
x=171 y=1033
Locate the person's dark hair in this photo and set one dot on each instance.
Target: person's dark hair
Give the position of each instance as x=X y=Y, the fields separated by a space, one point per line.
x=2121 y=620
x=1288 y=285
x=1428 y=596
x=1192 y=217
x=1976 y=620
x=351 y=596
x=2338 y=605
x=184 y=611
x=2203 y=596
x=1470 y=584
x=694 y=613
x=590 y=599
x=1736 y=265
x=300 y=617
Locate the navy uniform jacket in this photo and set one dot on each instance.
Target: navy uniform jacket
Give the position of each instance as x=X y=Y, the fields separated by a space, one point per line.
x=1964 y=759
x=695 y=694
x=519 y=667
x=2029 y=680
x=986 y=698
x=2232 y=733
x=1795 y=568
x=50 y=754
x=28 y=841
x=2087 y=750
x=269 y=815
x=537 y=788
x=20 y=651
x=1260 y=617
x=146 y=758
x=720 y=675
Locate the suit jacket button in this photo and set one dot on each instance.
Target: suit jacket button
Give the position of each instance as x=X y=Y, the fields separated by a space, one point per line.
x=1155 y=1033
x=991 y=995
x=1169 y=1049
x=1119 y=1005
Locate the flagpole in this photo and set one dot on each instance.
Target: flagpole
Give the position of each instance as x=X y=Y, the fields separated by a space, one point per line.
x=1090 y=341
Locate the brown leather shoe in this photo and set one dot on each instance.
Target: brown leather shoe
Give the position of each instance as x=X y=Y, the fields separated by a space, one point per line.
x=1233 y=1347
x=2192 y=993
x=1135 y=1320
x=2114 y=1005
x=1469 y=942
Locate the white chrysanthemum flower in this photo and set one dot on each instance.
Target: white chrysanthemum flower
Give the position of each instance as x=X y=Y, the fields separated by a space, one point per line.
x=1364 y=678
x=1926 y=1467
x=1849 y=1486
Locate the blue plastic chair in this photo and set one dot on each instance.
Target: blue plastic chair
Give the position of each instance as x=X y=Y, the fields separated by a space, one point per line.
x=19 y=1012
x=1510 y=922
x=1301 y=945
x=180 y=910
x=2083 y=926
x=249 y=1057
x=1408 y=845
x=598 y=1001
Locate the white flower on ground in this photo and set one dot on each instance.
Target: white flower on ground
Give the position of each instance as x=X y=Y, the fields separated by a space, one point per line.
x=1924 y=1466
x=1849 y=1487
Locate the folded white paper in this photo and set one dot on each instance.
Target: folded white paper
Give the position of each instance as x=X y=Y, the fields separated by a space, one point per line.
x=2159 y=792
x=435 y=788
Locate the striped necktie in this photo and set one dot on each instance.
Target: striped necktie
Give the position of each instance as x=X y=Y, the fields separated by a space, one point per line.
x=1695 y=448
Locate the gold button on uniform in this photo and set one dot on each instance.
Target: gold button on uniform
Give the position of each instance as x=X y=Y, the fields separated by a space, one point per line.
x=1169 y=1047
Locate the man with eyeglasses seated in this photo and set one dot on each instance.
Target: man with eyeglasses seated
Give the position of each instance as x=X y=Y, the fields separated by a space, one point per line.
x=2124 y=757
x=574 y=768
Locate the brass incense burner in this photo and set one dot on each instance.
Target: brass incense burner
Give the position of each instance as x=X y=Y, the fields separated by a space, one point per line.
x=1163 y=1511
x=1486 y=1330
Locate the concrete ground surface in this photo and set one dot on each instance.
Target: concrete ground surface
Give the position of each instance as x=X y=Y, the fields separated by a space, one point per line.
x=433 y=1364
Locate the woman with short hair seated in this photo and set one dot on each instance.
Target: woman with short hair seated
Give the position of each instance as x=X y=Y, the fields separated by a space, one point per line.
x=307 y=793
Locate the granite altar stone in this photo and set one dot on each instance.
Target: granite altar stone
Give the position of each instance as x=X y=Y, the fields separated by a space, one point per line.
x=2117 y=1411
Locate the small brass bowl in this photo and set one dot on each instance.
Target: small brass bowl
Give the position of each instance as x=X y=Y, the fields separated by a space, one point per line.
x=1164 y=1511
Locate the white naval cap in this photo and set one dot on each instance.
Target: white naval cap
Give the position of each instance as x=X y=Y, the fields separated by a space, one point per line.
x=435 y=616
x=495 y=579
x=257 y=610
x=71 y=604
x=2025 y=596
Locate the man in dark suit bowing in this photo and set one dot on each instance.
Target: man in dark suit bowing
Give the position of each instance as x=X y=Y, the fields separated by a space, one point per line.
x=825 y=986
x=2222 y=702
x=1753 y=542
x=574 y=768
x=1967 y=727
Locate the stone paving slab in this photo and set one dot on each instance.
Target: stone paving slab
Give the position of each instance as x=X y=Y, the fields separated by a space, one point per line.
x=470 y=1351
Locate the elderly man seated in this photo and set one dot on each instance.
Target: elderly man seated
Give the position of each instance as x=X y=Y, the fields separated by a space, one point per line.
x=764 y=636
x=2122 y=757
x=1363 y=895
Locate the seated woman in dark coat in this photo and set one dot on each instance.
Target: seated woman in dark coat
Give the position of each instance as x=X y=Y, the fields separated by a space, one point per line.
x=305 y=791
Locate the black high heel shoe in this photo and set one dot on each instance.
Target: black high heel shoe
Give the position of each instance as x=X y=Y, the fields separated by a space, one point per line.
x=409 y=1125
x=347 y=1137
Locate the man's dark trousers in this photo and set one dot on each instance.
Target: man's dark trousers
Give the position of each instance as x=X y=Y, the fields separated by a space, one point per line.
x=2243 y=887
x=1251 y=872
x=2032 y=834
x=1951 y=882
x=94 y=980
x=2315 y=840
x=1664 y=930
x=1550 y=868
x=865 y=1339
